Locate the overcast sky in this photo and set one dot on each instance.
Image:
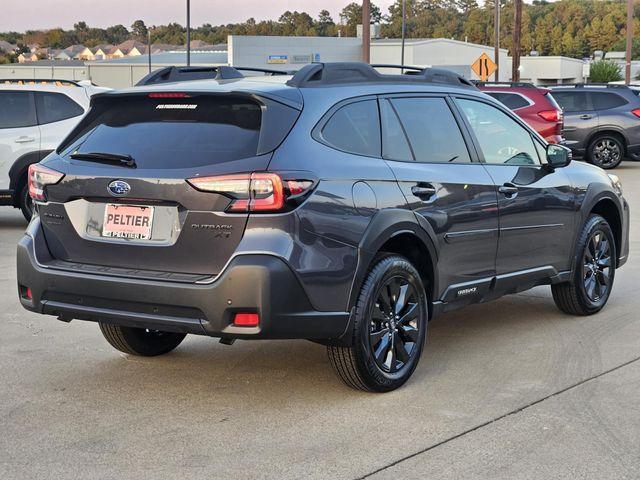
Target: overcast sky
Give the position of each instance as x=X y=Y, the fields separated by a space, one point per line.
x=18 y=15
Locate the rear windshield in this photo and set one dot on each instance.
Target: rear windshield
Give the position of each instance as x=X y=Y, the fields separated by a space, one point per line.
x=173 y=132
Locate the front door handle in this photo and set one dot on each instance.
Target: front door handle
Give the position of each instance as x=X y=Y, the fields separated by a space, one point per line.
x=423 y=191
x=586 y=117
x=509 y=190
x=24 y=139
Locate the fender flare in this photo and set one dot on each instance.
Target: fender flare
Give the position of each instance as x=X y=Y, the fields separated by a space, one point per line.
x=385 y=225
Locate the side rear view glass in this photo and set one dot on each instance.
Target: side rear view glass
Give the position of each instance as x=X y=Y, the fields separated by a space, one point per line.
x=433 y=132
x=354 y=128
x=572 y=101
x=512 y=101
x=17 y=110
x=55 y=107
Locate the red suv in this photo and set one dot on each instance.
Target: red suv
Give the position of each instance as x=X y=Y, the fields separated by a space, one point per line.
x=534 y=105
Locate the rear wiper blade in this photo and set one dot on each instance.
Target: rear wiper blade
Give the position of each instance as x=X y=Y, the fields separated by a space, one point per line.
x=124 y=160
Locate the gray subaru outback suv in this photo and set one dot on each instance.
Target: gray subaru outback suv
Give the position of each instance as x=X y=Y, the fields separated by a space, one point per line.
x=601 y=122
x=340 y=205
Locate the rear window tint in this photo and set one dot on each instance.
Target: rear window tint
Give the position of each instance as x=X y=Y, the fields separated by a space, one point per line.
x=606 y=100
x=354 y=128
x=173 y=133
x=510 y=100
x=16 y=110
x=55 y=107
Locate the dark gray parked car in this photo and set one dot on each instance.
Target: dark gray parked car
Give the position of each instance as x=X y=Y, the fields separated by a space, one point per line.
x=344 y=206
x=601 y=122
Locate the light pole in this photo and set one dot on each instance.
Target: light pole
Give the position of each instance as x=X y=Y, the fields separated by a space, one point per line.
x=188 y=33
x=366 y=31
x=515 y=54
x=404 y=32
x=496 y=28
x=627 y=70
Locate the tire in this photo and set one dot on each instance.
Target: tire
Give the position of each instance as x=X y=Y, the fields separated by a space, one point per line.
x=605 y=151
x=26 y=204
x=593 y=266
x=386 y=348
x=139 y=341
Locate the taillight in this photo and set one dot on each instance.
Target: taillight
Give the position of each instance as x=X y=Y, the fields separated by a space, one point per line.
x=39 y=177
x=636 y=112
x=551 y=115
x=254 y=192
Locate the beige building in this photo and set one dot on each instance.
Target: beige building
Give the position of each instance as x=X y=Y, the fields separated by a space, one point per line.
x=552 y=70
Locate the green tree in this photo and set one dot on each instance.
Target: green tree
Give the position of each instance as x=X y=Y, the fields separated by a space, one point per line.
x=139 y=30
x=351 y=16
x=605 y=71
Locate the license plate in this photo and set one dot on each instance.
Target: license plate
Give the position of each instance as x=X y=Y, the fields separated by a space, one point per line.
x=127 y=221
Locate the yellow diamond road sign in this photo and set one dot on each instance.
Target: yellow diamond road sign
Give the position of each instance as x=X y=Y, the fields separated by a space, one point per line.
x=483 y=67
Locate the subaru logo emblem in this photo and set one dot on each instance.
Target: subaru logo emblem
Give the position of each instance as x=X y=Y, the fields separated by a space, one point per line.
x=119 y=188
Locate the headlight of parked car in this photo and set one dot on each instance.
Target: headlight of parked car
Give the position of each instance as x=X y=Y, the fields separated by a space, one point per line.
x=616 y=184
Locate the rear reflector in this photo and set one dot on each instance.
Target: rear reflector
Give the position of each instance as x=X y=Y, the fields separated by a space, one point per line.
x=551 y=115
x=636 y=112
x=246 y=320
x=39 y=177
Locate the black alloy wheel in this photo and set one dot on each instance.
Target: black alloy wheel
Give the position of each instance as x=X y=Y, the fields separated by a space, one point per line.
x=596 y=268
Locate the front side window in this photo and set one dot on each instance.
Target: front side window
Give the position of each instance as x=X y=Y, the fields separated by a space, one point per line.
x=354 y=128
x=503 y=140
x=55 y=107
x=606 y=100
x=572 y=101
x=16 y=110
x=432 y=130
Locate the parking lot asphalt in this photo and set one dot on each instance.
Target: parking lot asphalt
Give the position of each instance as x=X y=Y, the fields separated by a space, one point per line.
x=509 y=389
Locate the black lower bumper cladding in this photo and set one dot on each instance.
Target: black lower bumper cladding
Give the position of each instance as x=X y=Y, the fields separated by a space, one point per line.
x=261 y=284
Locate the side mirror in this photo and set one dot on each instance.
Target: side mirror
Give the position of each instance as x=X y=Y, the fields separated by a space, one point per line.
x=558 y=156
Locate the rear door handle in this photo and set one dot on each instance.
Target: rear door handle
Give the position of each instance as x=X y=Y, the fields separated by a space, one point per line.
x=586 y=117
x=423 y=191
x=24 y=139
x=509 y=190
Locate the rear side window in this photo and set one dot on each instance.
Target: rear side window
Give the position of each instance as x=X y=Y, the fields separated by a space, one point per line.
x=572 y=101
x=16 y=110
x=354 y=128
x=606 y=100
x=510 y=100
x=175 y=132
x=55 y=107
x=432 y=130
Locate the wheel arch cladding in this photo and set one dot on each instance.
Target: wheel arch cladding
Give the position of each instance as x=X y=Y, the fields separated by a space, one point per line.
x=398 y=231
x=606 y=208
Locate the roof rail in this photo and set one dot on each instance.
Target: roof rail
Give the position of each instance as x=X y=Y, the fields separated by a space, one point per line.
x=343 y=73
x=478 y=83
x=185 y=74
x=587 y=85
x=43 y=81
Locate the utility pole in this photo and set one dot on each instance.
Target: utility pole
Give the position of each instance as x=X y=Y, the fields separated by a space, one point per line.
x=496 y=34
x=627 y=70
x=515 y=54
x=366 y=31
x=188 y=33
x=404 y=32
x=149 y=47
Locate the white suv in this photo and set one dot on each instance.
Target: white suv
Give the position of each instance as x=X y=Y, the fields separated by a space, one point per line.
x=35 y=116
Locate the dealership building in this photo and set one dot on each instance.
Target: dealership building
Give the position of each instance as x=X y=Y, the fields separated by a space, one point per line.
x=292 y=53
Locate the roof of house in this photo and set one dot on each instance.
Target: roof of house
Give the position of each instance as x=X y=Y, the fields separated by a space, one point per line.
x=74 y=50
x=7 y=47
x=128 y=45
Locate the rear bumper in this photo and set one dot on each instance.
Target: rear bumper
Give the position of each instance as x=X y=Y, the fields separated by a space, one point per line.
x=260 y=284
x=6 y=197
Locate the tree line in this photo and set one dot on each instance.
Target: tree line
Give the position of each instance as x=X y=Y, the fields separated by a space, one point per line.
x=573 y=28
